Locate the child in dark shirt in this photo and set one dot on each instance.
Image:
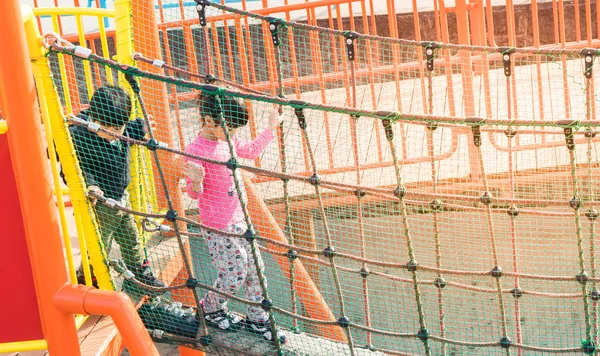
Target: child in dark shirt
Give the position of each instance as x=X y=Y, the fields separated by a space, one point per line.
x=104 y=161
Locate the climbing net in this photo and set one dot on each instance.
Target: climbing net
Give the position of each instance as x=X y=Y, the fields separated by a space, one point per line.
x=419 y=197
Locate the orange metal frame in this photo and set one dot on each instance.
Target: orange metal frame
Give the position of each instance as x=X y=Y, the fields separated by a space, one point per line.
x=58 y=300
x=475 y=25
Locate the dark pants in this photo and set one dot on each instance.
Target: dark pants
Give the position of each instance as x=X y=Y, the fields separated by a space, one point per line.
x=120 y=226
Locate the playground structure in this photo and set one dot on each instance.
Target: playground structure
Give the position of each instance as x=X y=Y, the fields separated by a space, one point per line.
x=422 y=198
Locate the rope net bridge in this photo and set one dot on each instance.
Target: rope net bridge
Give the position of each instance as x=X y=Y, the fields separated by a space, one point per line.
x=418 y=197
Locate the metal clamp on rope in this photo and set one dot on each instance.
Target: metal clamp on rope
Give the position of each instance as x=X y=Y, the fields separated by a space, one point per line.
x=506 y=60
x=351 y=37
x=153 y=144
x=158 y=334
x=430 y=53
x=158 y=63
x=111 y=203
x=476 y=123
x=149 y=226
x=274 y=28
x=92 y=126
x=589 y=54
x=82 y=52
x=201 y=8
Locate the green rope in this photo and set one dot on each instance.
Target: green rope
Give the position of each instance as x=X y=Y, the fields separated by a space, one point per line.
x=424 y=44
x=299 y=104
x=436 y=230
x=286 y=194
x=203 y=331
x=238 y=187
x=423 y=333
x=334 y=271
x=590 y=213
x=576 y=206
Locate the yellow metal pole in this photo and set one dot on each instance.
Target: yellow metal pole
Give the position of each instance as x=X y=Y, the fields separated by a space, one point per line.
x=52 y=111
x=23 y=346
x=140 y=188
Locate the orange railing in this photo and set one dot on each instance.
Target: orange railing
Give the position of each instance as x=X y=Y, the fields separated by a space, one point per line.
x=58 y=300
x=545 y=25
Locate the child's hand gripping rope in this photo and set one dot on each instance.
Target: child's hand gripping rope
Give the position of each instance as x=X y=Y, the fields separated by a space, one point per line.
x=195 y=173
x=274 y=120
x=94 y=192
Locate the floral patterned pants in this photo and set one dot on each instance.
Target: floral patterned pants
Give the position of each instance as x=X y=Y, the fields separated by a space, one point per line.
x=235 y=268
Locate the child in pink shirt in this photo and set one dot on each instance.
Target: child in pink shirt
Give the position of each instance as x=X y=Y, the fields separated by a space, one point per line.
x=214 y=187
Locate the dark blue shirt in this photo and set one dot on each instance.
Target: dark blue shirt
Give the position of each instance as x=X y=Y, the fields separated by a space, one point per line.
x=105 y=164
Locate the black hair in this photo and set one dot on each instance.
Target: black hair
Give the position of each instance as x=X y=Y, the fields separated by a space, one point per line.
x=110 y=105
x=234 y=110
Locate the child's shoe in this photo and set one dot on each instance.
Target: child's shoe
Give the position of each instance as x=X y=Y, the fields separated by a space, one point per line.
x=81 y=277
x=144 y=275
x=223 y=320
x=171 y=317
x=264 y=328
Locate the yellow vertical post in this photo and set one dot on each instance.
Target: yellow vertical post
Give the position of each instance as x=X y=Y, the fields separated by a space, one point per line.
x=51 y=110
x=124 y=54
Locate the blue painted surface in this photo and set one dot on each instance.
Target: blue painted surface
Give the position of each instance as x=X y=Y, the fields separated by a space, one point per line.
x=193 y=3
x=102 y=6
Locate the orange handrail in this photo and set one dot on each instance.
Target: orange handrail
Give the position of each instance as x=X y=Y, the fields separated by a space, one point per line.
x=86 y=300
x=40 y=220
x=30 y=166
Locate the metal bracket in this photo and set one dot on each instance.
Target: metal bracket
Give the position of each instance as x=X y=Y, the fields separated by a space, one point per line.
x=430 y=53
x=274 y=28
x=476 y=123
x=351 y=37
x=589 y=55
x=201 y=8
x=568 y=126
x=506 y=60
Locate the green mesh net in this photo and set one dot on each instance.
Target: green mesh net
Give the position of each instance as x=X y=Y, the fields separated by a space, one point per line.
x=418 y=197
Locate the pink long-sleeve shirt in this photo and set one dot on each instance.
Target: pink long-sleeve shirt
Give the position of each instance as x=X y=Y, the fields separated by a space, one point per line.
x=218 y=202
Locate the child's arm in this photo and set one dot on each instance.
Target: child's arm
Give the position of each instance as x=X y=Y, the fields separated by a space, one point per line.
x=252 y=150
x=194 y=176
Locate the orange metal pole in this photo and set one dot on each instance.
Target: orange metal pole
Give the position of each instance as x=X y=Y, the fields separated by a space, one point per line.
x=563 y=41
x=372 y=47
x=577 y=21
x=20 y=110
x=145 y=30
x=467 y=81
x=309 y=294
x=86 y=300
